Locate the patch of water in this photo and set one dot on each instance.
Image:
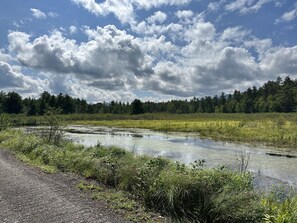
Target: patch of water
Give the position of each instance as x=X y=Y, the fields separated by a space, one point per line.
x=188 y=148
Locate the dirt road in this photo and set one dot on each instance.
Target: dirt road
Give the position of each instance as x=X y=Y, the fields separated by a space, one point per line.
x=30 y=195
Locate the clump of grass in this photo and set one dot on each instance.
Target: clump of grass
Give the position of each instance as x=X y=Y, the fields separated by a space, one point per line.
x=87 y=186
x=121 y=202
x=38 y=163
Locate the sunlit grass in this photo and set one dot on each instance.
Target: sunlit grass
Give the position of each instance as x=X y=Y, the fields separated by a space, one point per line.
x=279 y=130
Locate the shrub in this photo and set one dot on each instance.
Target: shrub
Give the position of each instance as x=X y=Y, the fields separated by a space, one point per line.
x=4 y=122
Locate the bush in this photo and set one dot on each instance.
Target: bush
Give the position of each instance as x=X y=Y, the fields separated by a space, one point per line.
x=4 y=122
x=54 y=131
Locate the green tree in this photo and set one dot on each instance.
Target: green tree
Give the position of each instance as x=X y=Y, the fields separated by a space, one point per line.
x=13 y=103
x=136 y=107
x=32 y=107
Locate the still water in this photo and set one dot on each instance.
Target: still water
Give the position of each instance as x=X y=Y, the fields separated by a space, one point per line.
x=188 y=148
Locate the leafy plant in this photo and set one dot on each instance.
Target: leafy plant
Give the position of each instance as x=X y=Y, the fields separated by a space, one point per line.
x=280 y=211
x=53 y=133
x=4 y=121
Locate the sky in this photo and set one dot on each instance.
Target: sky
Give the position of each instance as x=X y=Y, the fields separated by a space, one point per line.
x=157 y=50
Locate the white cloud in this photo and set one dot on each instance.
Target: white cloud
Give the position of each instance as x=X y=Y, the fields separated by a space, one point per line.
x=124 y=10
x=156 y=30
x=109 y=55
x=158 y=17
x=37 y=13
x=246 y=6
x=288 y=16
x=12 y=78
x=235 y=34
x=200 y=31
x=144 y=4
x=280 y=60
x=52 y=14
x=184 y=14
x=112 y=64
x=72 y=29
x=9 y=77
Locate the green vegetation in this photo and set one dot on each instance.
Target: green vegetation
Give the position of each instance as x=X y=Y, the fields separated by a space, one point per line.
x=183 y=193
x=280 y=211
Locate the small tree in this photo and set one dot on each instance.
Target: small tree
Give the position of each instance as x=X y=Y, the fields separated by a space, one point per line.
x=4 y=122
x=53 y=133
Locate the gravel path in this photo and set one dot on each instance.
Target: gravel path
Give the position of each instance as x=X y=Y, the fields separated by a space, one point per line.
x=30 y=195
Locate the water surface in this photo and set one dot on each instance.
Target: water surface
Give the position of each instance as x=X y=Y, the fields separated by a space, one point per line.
x=188 y=148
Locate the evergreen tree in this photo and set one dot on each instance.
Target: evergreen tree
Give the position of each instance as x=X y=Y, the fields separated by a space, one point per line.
x=136 y=107
x=13 y=103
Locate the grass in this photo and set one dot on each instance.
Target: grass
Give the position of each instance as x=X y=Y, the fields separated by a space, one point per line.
x=182 y=193
x=37 y=163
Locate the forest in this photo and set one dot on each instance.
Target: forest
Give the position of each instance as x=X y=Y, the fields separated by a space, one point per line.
x=274 y=96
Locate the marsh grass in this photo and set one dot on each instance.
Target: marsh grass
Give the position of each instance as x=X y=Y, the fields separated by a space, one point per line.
x=273 y=129
x=183 y=193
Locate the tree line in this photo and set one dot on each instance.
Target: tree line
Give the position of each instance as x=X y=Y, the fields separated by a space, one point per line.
x=274 y=96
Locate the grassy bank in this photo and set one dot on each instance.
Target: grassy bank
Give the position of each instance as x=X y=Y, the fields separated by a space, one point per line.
x=183 y=193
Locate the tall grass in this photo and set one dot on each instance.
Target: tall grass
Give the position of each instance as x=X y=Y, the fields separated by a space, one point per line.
x=184 y=193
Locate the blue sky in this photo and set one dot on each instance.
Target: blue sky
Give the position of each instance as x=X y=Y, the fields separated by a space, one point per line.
x=153 y=50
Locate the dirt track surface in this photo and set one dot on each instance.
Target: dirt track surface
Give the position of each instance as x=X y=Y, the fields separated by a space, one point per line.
x=30 y=195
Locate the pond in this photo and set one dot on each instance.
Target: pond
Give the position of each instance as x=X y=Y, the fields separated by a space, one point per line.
x=268 y=166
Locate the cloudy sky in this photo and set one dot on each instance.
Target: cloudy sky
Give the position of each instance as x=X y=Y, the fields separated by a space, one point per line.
x=103 y=50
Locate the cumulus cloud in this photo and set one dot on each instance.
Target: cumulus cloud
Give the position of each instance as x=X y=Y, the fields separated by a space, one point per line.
x=184 y=14
x=124 y=10
x=12 y=78
x=37 y=13
x=9 y=77
x=115 y=64
x=235 y=34
x=109 y=54
x=159 y=17
x=246 y=6
x=288 y=16
x=280 y=60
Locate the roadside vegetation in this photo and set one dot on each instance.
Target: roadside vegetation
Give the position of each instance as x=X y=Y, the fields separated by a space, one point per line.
x=179 y=192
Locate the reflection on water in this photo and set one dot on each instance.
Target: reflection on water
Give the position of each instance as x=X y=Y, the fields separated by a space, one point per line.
x=187 y=149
